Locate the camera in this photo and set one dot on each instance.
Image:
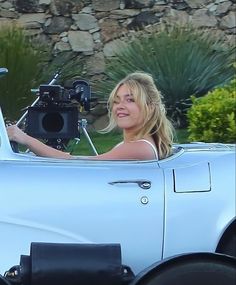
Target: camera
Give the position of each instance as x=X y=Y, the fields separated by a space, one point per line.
x=56 y=94
x=55 y=116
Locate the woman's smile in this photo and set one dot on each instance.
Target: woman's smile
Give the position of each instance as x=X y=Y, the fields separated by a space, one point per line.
x=121 y=115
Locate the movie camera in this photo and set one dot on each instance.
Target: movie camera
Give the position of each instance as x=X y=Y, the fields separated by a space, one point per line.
x=56 y=94
x=54 y=115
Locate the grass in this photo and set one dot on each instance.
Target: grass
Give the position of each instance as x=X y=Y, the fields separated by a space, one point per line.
x=105 y=142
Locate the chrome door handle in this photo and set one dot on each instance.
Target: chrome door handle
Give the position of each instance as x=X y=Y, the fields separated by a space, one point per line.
x=144 y=184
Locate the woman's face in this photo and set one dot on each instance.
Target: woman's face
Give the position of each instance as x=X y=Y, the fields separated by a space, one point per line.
x=126 y=111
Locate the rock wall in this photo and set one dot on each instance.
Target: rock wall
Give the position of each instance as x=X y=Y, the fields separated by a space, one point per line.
x=92 y=28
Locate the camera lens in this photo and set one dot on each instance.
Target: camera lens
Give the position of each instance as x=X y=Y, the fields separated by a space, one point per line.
x=53 y=122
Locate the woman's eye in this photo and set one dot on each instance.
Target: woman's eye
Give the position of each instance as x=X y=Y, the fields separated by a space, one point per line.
x=130 y=100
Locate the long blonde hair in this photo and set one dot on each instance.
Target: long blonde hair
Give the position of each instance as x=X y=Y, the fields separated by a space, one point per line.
x=147 y=96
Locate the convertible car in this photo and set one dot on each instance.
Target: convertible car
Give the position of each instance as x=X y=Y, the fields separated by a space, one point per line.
x=173 y=218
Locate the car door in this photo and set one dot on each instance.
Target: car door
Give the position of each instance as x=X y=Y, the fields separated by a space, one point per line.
x=83 y=201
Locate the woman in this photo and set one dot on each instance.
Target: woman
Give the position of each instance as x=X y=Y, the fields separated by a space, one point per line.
x=136 y=107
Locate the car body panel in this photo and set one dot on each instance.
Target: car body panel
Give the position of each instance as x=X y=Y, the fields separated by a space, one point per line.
x=196 y=219
x=70 y=200
x=154 y=209
x=183 y=185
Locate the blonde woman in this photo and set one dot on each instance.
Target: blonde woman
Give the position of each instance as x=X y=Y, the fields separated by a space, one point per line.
x=135 y=106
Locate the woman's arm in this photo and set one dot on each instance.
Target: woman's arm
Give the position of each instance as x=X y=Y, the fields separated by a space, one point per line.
x=34 y=145
x=137 y=150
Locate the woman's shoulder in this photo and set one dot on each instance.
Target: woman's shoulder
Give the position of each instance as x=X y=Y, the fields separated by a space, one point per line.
x=150 y=144
x=139 y=149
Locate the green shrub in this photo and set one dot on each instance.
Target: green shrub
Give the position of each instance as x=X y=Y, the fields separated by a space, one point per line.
x=22 y=59
x=212 y=118
x=184 y=61
x=29 y=64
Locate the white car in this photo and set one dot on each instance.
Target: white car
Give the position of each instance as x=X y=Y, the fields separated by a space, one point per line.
x=165 y=215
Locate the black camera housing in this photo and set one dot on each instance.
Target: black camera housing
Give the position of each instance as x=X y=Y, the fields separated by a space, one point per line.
x=52 y=122
x=55 y=116
x=52 y=93
x=81 y=92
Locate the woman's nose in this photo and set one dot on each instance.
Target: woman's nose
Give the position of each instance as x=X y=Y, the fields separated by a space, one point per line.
x=120 y=105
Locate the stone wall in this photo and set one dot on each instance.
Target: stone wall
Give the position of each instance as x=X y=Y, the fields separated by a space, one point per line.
x=94 y=28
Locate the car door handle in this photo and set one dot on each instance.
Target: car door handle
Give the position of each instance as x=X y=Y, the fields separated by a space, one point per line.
x=144 y=184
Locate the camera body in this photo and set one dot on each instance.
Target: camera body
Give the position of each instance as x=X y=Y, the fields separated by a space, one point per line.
x=53 y=93
x=56 y=94
x=55 y=116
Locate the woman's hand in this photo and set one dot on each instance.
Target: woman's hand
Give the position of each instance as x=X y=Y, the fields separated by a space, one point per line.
x=17 y=135
x=34 y=145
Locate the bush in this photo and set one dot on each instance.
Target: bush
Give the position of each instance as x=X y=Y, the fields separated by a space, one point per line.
x=29 y=64
x=184 y=61
x=212 y=118
x=22 y=60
